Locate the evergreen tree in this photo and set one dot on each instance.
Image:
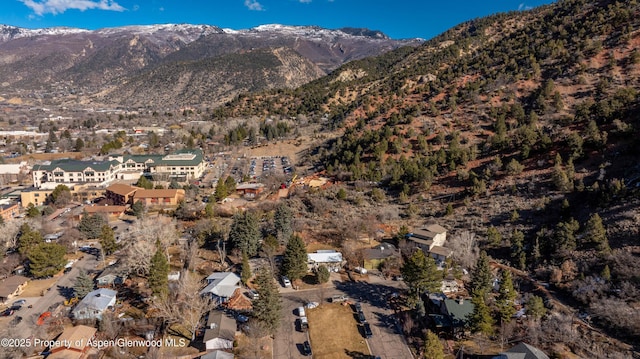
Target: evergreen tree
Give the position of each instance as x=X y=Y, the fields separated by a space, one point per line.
x=32 y=211
x=230 y=185
x=60 y=196
x=245 y=274
x=268 y=306
x=28 y=239
x=535 y=307
x=282 y=222
x=481 y=320
x=245 y=233
x=481 y=276
x=79 y=145
x=421 y=273
x=518 y=257
x=294 y=261
x=159 y=272
x=143 y=182
x=596 y=234
x=221 y=190
x=606 y=273
x=506 y=297
x=493 y=236
x=46 y=259
x=82 y=285
x=91 y=225
x=108 y=240
x=433 y=347
x=138 y=209
x=565 y=234
x=322 y=274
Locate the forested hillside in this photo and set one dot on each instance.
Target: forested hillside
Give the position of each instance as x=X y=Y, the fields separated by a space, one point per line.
x=522 y=127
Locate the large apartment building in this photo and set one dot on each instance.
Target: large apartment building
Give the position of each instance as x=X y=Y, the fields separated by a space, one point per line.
x=182 y=166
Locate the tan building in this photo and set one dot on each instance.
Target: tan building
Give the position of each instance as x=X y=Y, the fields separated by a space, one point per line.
x=9 y=211
x=120 y=194
x=34 y=195
x=12 y=287
x=159 y=197
x=110 y=211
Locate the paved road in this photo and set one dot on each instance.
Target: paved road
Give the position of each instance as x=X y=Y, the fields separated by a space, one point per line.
x=386 y=342
x=27 y=328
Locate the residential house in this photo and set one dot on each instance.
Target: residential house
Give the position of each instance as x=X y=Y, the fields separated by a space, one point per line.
x=220 y=332
x=450 y=285
x=329 y=258
x=239 y=302
x=111 y=276
x=112 y=212
x=522 y=351
x=376 y=256
x=431 y=240
x=250 y=190
x=73 y=343
x=221 y=286
x=9 y=211
x=159 y=197
x=12 y=287
x=217 y=354
x=120 y=194
x=94 y=304
x=458 y=311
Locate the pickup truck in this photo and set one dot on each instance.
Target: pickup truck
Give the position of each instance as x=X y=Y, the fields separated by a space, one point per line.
x=338 y=298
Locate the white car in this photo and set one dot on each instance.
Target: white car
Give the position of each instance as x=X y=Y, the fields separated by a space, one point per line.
x=312 y=305
x=286 y=282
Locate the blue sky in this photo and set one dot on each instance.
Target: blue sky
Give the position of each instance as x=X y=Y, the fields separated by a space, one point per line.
x=396 y=18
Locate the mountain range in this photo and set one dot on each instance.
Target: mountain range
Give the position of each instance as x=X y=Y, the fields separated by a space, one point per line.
x=116 y=65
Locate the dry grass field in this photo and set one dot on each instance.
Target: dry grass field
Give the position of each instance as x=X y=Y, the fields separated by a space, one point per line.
x=334 y=333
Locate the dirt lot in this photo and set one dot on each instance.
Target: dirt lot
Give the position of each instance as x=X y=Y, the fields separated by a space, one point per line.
x=334 y=333
x=35 y=287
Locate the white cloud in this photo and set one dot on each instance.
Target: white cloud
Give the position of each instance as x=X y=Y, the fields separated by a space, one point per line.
x=522 y=6
x=305 y=1
x=253 y=5
x=41 y=7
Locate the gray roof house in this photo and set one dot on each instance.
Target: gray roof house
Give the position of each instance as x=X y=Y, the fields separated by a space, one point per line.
x=112 y=275
x=522 y=351
x=221 y=285
x=217 y=354
x=220 y=332
x=94 y=304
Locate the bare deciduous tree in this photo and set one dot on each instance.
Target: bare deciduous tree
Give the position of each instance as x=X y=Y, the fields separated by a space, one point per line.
x=465 y=248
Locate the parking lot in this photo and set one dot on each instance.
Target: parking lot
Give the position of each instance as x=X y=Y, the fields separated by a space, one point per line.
x=386 y=340
x=260 y=167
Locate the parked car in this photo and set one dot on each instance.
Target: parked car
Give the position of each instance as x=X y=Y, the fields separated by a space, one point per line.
x=304 y=324
x=338 y=298
x=358 y=307
x=367 y=330
x=253 y=294
x=306 y=348
x=312 y=305
x=301 y=312
x=20 y=302
x=286 y=282
x=361 y=318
